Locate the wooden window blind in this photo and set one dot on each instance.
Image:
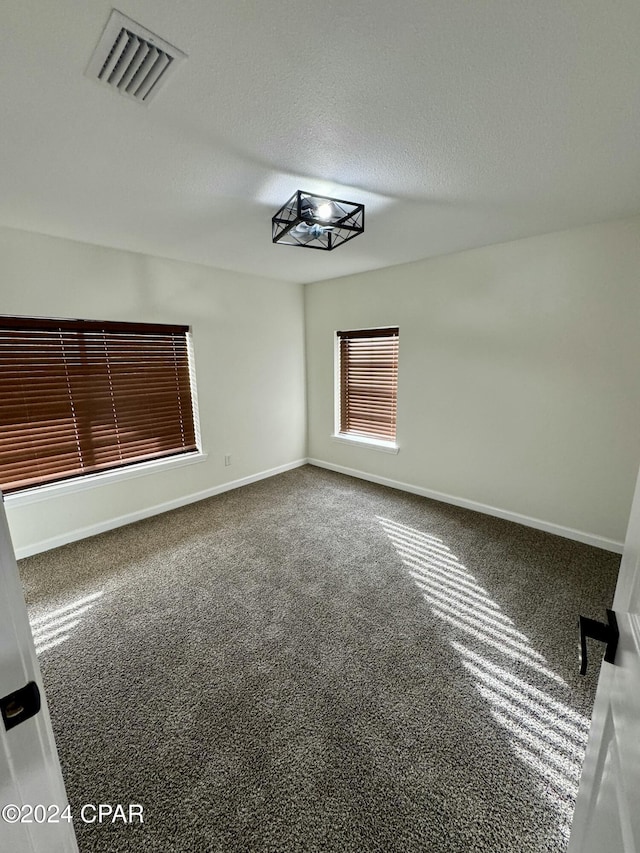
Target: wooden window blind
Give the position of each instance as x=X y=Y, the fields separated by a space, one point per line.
x=369 y=382
x=80 y=396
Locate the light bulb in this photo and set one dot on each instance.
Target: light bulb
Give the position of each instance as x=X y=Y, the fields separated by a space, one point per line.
x=324 y=212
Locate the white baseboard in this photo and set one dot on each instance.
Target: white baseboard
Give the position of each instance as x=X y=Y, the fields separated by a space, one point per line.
x=121 y=520
x=527 y=521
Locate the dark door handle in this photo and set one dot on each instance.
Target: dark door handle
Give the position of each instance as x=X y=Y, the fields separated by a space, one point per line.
x=20 y=705
x=602 y=632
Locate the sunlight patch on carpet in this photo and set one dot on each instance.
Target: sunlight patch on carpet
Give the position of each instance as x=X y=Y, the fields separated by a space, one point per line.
x=547 y=736
x=53 y=628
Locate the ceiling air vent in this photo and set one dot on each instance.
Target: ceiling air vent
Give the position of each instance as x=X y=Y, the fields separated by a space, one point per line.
x=132 y=60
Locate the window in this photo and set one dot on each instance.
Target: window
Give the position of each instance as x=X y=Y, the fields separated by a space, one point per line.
x=80 y=396
x=368 y=383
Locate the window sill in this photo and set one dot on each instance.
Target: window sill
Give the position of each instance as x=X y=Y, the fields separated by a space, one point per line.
x=363 y=441
x=90 y=481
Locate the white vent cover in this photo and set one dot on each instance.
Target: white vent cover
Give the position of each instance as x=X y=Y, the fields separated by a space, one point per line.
x=132 y=60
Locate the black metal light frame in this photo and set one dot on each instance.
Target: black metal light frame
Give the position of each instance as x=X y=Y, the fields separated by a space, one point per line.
x=297 y=223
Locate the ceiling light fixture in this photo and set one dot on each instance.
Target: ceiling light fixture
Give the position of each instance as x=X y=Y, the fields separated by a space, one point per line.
x=317 y=222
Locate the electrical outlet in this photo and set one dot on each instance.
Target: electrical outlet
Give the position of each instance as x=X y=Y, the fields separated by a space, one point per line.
x=227 y=460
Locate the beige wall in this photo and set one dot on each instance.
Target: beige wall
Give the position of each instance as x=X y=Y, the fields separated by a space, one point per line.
x=519 y=386
x=248 y=340
x=519 y=377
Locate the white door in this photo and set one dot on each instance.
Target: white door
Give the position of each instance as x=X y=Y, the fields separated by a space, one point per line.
x=29 y=769
x=607 y=815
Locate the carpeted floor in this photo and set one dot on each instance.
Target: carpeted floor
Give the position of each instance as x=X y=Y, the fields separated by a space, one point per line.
x=316 y=663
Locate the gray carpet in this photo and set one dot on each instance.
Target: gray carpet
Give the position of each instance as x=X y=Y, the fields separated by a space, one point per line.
x=315 y=663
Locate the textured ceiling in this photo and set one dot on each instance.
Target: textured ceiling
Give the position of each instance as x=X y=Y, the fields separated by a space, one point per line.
x=457 y=123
